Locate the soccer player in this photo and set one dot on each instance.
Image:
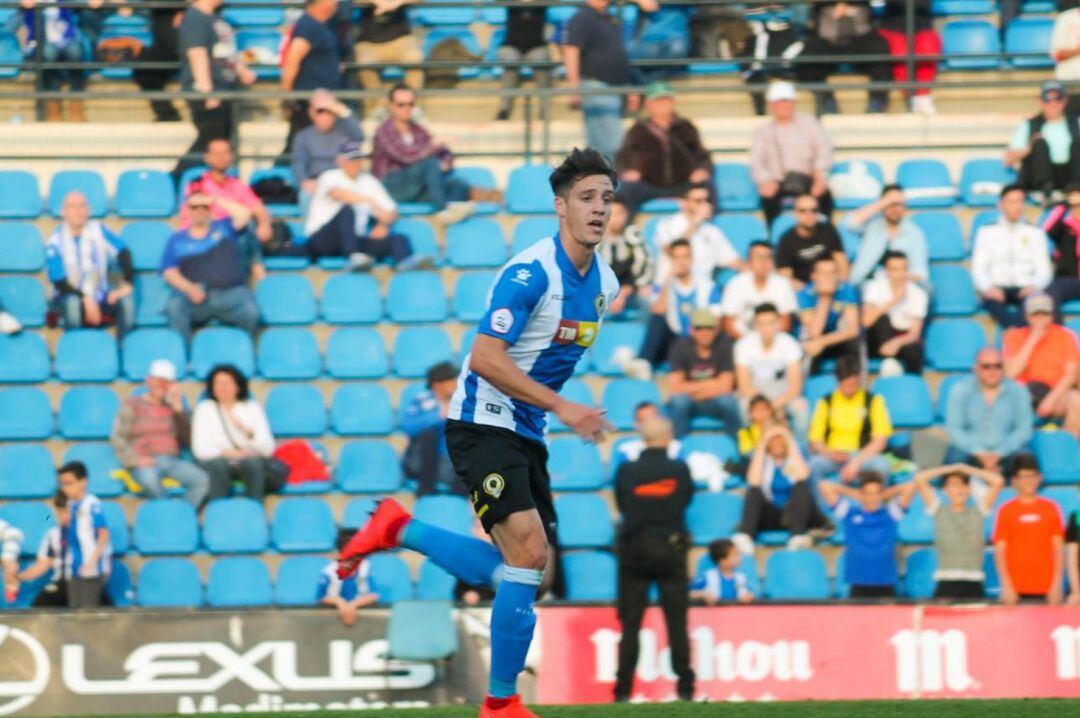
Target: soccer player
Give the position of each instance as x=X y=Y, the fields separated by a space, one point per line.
x=543 y=312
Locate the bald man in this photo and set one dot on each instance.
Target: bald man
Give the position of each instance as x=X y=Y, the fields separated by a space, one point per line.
x=988 y=416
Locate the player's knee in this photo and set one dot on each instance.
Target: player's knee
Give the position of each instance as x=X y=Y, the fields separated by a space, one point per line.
x=531 y=552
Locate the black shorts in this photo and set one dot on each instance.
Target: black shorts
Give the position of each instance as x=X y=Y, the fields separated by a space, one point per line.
x=959 y=589
x=503 y=471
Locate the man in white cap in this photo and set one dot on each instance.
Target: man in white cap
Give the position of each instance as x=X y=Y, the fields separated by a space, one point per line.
x=149 y=431
x=790 y=155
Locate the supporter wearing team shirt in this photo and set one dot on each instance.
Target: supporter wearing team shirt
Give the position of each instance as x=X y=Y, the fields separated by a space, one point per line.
x=759 y=284
x=768 y=361
x=702 y=379
x=810 y=240
x=710 y=246
x=11 y=540
x=724 y=582
x=53 y=557
x=828 y=315
x=87 y=536
x=347 y=595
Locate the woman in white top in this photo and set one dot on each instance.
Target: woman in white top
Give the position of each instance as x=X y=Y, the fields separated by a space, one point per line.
x=230 y=435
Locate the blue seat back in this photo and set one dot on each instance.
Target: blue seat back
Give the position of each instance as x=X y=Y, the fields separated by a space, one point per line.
x=735 y=187
x=476 y=243
x=296 y=410
x=24 y=357
x=25 y=414
x=26 y=472
x=21 y=247
x=286 y=299
x=356 y=353
x=303 y=525
x=926 y=174
x=298 y=581
x=584 y=522
x=590 y=576
x=238 y=581
x=24 y=299
x=32 y=518
x=919 y=570
x=390 y=578
x=145 y=193
x=574 y=465
x=952 y=344
x=235 y=525
x=289 y=354
x=529 y=230
x=416 y=297
x=622 y=395
x=614 y=336
x=1030 y=36
x=221 y=345
x=970 y=37
x=20 y=197
x=944 y=236
x=166 y=526
x=357 y=512
x=368 y=467
x=169 y=583
x=1059 y=456
x=143 y=346
x=981 y=180
x=470 y=295
x=361 y=410
x=146 y=240
x=416 y=349
x=101 y=462
x=452 y=513
x=87 y=355
x=89 y=182
x=908 y=400
x=528 y=190
x=954 y=292
x=351 y=299
x=796 y=576
x=713 y=516
x=741 y=230
x=434 y=584
x=87 y=412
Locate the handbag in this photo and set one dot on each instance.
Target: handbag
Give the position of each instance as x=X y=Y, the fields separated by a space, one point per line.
x=275 y=472
x=792 y=184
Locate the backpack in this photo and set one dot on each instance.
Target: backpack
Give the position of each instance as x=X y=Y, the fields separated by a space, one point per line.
x=449 y=50
x=119 y=49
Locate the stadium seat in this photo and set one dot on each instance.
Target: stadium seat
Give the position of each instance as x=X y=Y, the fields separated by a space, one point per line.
x=951 y=344
x=166 y=526
x=466 y=342
x=983 y=218
x=151 y=294
x=1059 y=456
x=298 y=581
x=238 y=581
x=741 y=230
x=421 y=631
x=265 y=16
x=296 y=410
x=944 y=387
x=590 y=576
x=289 y=354
x=144 y=194
x=368 y=467
x=1066 y=497
x=434 y=13
x=446 y=511
x=622 y=395
x=615 y=335
x=416 y=297
x=908 y=400
x=872 y=168
x=1031 y=36
x=926 y=183
x=221 y=345
x=265 y=47
x=577 y=391
x=713 y=516
x=475 y=243
x=143 y=346
x=357 y=512
x=20 y=197
x=819 y=387
x=356 y=353
x=735 y=188
x=119 y=536
x=530 y=230
x=146 y=240
x=584 y=521
x=970 y=37
x=421 y=237
x=85 y=355
x=981 y=180
x=482 y=178
x=390 y=578
x=86 y=412
x=101 y=462
x=21 y=248
x=470 y=295
x=303 y=525
x=944 y=237
x=574 y=465
x=286 y=299
x=954 y=292
x=351 y=299
x=23 y=298
x=89 y=182
x=33 y=518
x=780 y=226
x=434 y=584
x=796 y=576
x=416 y=349
x=24 y=357
x=169 y=583
x=361 y=410
x=528 y=190
x=11 y=54
x=234 y=525
x=26 y=472
x=25 y=414
x=916 y=527
x=963 y=7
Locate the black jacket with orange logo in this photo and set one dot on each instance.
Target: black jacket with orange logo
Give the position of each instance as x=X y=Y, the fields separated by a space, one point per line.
x=652 y=494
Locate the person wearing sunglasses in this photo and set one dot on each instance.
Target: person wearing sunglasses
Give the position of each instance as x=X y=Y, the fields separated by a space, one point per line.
x=1044 y=148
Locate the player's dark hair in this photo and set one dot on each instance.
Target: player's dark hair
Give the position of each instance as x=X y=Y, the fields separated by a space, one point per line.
x=678 y=243
x=955 y=475
x=1010 y=188
x=720 y=549
x=759 y=399
x=645 y=405
x=443 y=371
x=343 y=536
x=766 y=308
x=847 y=366
x=694 y=186
x=759 y=243
x=397 y=88
x=871 y=477
x=60 y=499
x=891 y=255
x=1023 y=462
x=75 y=468
x=891 y=188
x=578 y=165
x=243 y=393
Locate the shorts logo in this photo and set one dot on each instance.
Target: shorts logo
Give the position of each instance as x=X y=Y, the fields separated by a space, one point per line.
x=502 y=320
x=494 y=485
x=600 y=303
x=580 y=333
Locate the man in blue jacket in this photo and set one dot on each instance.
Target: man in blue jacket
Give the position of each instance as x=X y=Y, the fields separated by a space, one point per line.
x=424 y=421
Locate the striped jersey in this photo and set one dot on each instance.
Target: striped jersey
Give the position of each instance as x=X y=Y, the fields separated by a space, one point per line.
x=54 y=548
x=725 y=587
x=549 y=314
x=87 y=517
x=11 y=540
x=330 y=586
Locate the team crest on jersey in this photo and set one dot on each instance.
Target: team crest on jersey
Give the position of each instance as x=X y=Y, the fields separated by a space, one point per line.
x=494 y=485
x=580 y=333
x=600 y=303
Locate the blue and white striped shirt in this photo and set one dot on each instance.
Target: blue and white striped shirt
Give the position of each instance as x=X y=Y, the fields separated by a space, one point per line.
x=87 y=517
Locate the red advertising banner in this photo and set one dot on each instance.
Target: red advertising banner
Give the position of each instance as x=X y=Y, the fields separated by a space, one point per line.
x=762 y=653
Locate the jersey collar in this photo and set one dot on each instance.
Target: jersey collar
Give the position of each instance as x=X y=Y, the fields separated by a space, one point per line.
x=569 y=271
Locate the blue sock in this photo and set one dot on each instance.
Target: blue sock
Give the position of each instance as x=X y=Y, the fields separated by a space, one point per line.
x=475 y=562
x=512 y=624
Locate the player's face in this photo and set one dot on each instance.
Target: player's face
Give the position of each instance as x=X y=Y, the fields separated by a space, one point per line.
x=1027 y=482
x=872 y=495
x=587 y=208
x=957 y=490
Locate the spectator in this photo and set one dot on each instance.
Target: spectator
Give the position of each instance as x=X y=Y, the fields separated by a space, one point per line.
x=415 y=167
x=808 y=241
x=894 y=311
x=779 y=495
x=702 y=380
x=1010 y=261
x=315 y=148
x=988 y=416
x=1065 y=46
x=661 y=33
x=662 y=154
x=850 y=428
x=149 y=431
x=595 y=58
x=386 y=36
x=885 y=226
x=711 y=248
x=8 y=323
x=53 y=557
x=828 y=316
x=926 y=41
x=65 y=42
x=1042 y=147
x=350 y=595
x=82 y=255
x=424 y=422
x=725 y=581
x=523 y=42
x=164 y=48
x=217 y=182
x=1072 y=557
x=1028 y=539
x=1045 y=357
x=768 y=361
x=309 y=61
x=790 y=155
x=759 y=413
x=625 y=251
x=870 y=515
x=11 y=541
x=959 y=526
x=209 y=62
x=230 y=435
x=206 y=267
x=759 y=284
x=88 y=536
x=844 y=28
x=1063 y=227
x=631 y=449
x=351 y=216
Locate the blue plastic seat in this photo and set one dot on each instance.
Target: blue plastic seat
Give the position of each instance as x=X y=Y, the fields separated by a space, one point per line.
x=622 y=395
x=416 y=297
x=614 y=336
x=166 y=526
x=954 y=292
x=357 y=512
x=33 y=518
x=421 y=631
x=24 y=357
x=452 y=513
x=908 y=400
x=266 y=45
x=286 y=299
x=574 y=390
x=101 y=462
x=1066 y=497
x=713 y=516
x=434 y=584
x=925 y=174
x=916 y=527
x=470 y=295
x=356 y=353
x=169 y=583
x=987 y=175
x=266 y=16
x=433 y=13
x=1059 y=456
x=361 y=410
x=818 y=387
x=26 y=472
x=351 y=299
x=238 y=581
x=481 y=177
x=368 y=467
x=944 y=236
x=796 y=576
x=20 y=197
x=780 y=226
x=943 y=391
x=303 y=525
x=151 y=294
x=11 y=55
x=590 y=576
x=983 y=218
x=970 y=37
x=21 y=248
x=530 y=230
x=89 y=182
x=144 y=194
x=235 y=525
x=741 y=230
x=735 y=187
x=298 y=581
x=116 y=520
x=390 y=578
x=286 y=354
x=25 y=414
x=23 y=298
x=146 y=240
x=416 y=349
x=296 y=410
x=87 y=412
x=584 y=522
x=528 y=190
x=87 y=355
x=575 y=465
x=476 y=243
x=421 y=236
x=963 y=7
x=461 y=34
x=143 y=346
x=951 y=344
x=1029 y=35
x=873 y=168
x=221 y=345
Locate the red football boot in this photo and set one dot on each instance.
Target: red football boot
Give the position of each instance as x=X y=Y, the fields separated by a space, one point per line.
x=514 y=708
x=381 y=532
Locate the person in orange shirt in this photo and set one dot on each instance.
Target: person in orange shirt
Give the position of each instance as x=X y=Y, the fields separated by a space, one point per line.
x=1028 y=539
x=1046 y=356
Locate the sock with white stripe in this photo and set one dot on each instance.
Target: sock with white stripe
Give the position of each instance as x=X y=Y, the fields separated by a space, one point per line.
x=512 y=624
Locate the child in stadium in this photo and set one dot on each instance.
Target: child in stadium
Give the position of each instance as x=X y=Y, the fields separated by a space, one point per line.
x=347 y=595
x=724 y=582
